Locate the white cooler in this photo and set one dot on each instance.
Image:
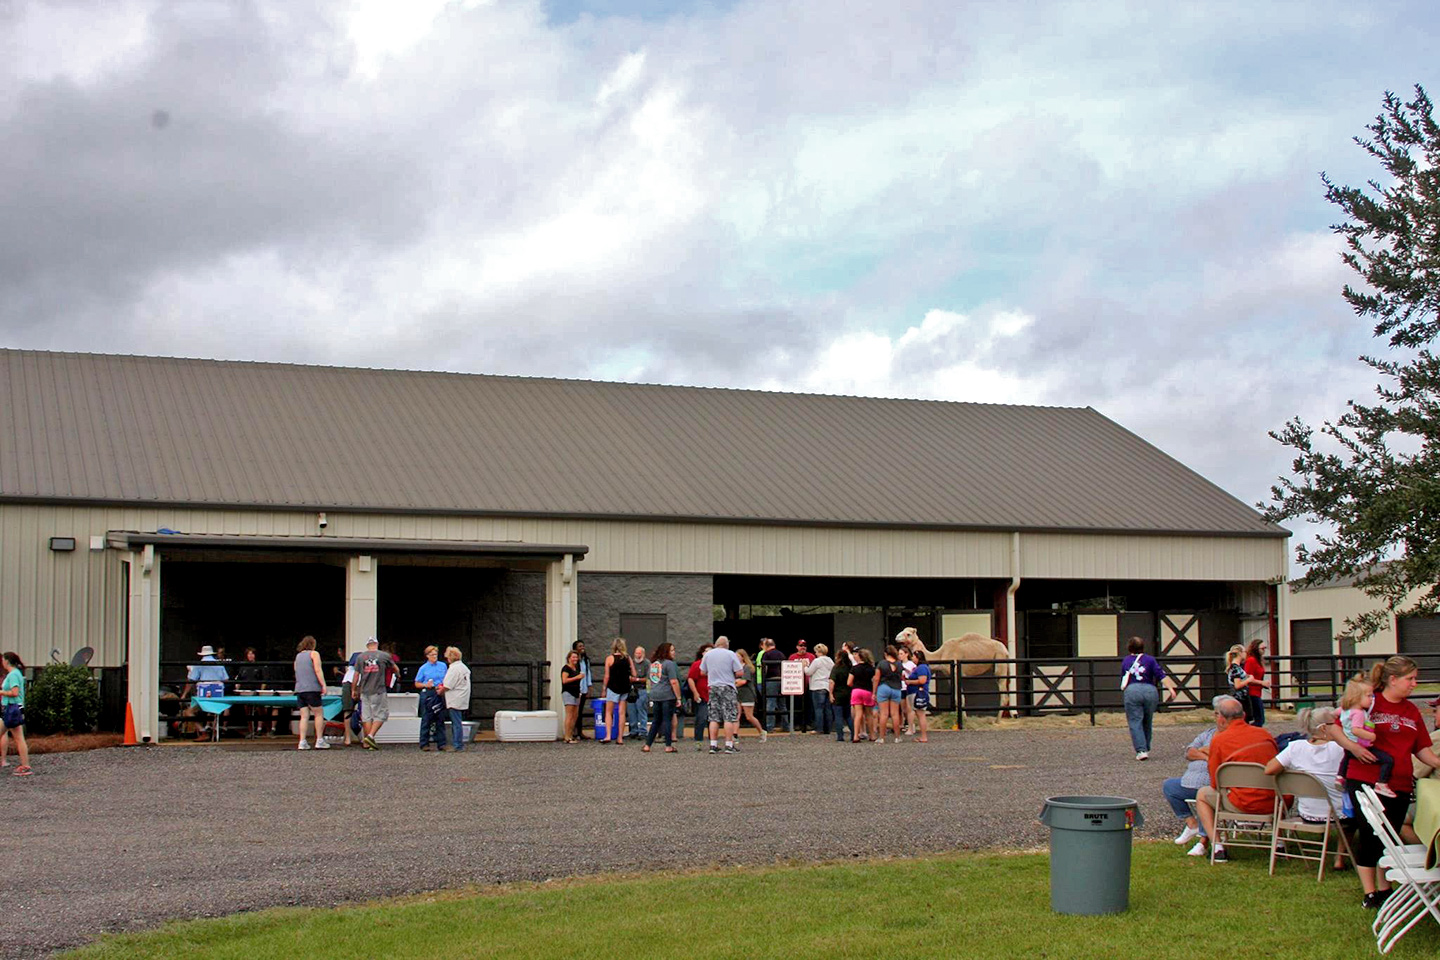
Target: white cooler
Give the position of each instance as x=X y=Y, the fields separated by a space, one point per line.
x=516 y=725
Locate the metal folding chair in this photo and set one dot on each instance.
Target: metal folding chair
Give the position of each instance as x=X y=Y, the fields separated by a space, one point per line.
x=1238 y=828
x=1418 y=890
x=1295 y=838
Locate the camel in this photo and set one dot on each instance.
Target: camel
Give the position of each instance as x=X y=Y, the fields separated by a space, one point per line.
x=970 y=646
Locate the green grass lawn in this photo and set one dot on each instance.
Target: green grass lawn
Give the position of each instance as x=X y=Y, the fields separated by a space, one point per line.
x=972 y=905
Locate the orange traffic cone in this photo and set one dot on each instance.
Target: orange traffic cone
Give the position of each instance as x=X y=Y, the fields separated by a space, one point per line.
x=130 y=740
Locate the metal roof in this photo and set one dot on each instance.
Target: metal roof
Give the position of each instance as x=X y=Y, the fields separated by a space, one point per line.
x=147 y=430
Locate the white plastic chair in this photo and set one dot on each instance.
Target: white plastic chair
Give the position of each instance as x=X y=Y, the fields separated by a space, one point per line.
x=1418 y=890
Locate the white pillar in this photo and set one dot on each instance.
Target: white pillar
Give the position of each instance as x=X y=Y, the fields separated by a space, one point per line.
x=561 y=626
x=362 y=597
x=143 y=642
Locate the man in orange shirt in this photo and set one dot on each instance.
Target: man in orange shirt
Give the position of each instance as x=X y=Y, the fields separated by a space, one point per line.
x=1240 y=742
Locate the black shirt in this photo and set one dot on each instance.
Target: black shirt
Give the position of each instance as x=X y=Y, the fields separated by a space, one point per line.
x=862 y=675
x=771 y=661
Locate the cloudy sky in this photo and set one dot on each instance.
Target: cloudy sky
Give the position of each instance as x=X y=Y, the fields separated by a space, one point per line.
x=1106 y=204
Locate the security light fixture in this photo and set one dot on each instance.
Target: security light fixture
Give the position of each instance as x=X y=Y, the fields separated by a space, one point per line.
x=62 y=544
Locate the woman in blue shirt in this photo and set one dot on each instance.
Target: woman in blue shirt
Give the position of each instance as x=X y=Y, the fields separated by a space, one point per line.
x=432 y=708
x=1140 y=677
x=12 y=712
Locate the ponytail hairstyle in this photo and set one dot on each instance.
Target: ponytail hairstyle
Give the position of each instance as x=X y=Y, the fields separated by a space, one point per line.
x=1316 y=722
x=867 y=657
x=1234 y=655
x=13 y=658
x=1357 y=688
x=1383 y=673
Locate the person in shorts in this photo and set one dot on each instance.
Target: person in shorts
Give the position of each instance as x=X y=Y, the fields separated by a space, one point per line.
x=12 y=712
x=721 y=669
x=309 y=688
x=371 y=668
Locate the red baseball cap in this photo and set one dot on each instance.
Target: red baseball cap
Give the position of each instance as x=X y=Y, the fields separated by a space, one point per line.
x=799 y=643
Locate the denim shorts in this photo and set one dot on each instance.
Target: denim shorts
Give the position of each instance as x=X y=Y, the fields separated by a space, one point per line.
x=612 y=697
x=569 y=699
x=886 y=694
x=12 y=716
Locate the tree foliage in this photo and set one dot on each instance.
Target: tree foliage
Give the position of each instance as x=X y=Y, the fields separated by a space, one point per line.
x=1373 y=482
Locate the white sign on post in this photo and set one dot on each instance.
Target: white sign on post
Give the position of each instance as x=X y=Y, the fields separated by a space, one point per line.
x=792 y=678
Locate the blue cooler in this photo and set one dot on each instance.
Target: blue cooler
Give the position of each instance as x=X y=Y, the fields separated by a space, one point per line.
x=599 y=707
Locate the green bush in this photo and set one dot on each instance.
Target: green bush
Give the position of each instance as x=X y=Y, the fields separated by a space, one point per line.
x=63 y=699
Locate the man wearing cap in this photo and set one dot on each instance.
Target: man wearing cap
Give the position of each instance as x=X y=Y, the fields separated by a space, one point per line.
x=207 y=679
x=802 y=652
x=370 y=671
x=721 y=669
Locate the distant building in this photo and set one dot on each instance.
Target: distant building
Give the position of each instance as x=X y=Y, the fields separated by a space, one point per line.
x=149 y=506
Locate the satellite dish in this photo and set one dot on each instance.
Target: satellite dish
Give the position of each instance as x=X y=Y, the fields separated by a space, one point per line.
x=82 y=657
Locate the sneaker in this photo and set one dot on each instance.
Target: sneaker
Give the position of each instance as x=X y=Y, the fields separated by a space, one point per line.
x=1373 y=901
x=729 y=749
x=1198 y=850
x=1186 y=835
x=1220 y=855
x=764 y=736
x=1142 y=755
x=1384 y=790
x=322 y=744
x=304 y=745
x=714 y=750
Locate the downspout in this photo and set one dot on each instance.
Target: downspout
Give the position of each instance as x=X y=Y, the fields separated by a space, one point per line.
x=1010 y=632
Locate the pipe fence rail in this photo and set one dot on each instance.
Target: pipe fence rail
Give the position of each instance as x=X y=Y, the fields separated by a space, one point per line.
x=1025 y=686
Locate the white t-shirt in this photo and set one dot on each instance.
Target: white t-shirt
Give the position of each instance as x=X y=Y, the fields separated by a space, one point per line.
x=719 y=665
x=1321 y=761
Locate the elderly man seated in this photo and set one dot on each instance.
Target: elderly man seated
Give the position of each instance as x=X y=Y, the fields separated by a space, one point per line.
x=1235 y=741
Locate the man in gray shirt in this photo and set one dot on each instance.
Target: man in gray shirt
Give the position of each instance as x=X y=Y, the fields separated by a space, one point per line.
x=721 y=668
x=371 y=670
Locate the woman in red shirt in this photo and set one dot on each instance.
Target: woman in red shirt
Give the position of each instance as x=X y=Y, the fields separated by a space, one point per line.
x=1401 y=731
x=1255 y=691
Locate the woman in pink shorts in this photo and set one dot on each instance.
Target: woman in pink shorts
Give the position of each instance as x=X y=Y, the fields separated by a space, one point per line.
x=862 y=698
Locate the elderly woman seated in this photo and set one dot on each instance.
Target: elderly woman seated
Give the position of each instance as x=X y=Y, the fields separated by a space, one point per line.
x=1318 y=756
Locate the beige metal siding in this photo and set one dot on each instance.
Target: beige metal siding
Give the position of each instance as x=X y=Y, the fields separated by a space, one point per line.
x=1080 y=556
x=71 y=600
x=1337 y=604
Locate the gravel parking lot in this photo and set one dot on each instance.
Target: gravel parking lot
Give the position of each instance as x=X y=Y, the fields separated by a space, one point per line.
x=121 y=839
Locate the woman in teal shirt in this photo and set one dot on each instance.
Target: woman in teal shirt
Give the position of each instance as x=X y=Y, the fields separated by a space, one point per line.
x=12 y=712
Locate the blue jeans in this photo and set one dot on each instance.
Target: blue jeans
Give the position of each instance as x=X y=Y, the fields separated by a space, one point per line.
x=840 y=716
x=1257 y=709
x=1141 y=700
x=775 y=706
x=639 y=713
x=820 y=710
x=1177 y=795
x=430 y=720
x=664 y=715
x=702 y=720
x=457 y=728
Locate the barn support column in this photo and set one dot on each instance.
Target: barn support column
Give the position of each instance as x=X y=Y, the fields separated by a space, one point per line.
x=143 y=642
x=562 y=626
x=362 y=596
x=1010 y=632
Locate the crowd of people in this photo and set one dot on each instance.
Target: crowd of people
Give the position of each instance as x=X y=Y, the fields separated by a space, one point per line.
x=853 y=695
x=1376 y=736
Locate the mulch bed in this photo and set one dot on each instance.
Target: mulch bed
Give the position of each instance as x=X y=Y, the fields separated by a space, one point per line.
x=71 y=742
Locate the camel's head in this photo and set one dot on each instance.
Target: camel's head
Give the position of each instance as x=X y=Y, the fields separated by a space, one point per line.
x=907 y=637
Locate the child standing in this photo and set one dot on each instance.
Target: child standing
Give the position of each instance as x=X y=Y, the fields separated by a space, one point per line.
x=1355 y=721
x=12 y=712
x=1237 y=677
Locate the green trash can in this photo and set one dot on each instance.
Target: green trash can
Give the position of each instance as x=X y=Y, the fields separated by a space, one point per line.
x=1090 y=852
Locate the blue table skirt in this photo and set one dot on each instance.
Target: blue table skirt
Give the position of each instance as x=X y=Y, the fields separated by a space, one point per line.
x=329 y=703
